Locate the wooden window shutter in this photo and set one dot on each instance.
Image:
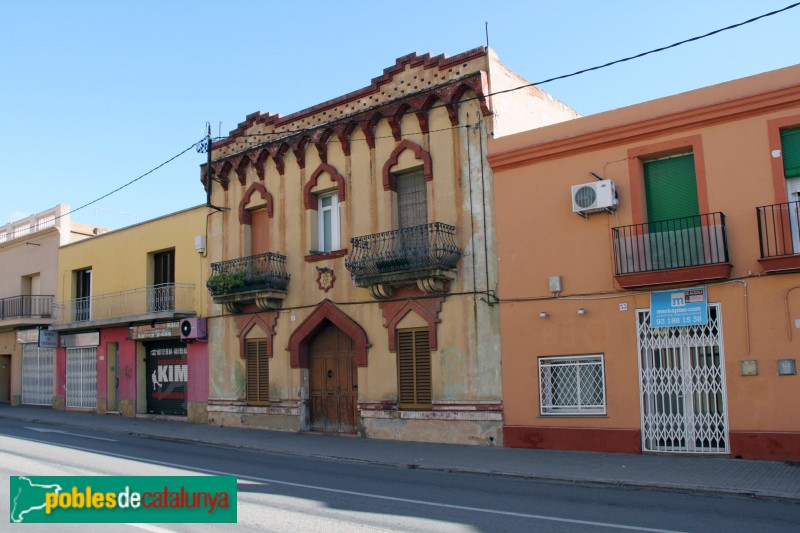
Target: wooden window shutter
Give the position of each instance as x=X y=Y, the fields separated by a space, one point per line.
x=164 y=271
x=257 y=371
x=790 y=146
x=414 y=369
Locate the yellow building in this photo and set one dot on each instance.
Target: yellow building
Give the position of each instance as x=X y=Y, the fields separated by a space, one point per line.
x=353 y=257
x=122 y=297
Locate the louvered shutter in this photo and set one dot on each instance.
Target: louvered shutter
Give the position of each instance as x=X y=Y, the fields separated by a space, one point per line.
x=790 y=147
x=257 y=371
x=414 y=369
x=671 y=188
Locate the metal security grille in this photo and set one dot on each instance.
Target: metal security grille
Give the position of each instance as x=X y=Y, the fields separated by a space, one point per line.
x=37 y=375
x=81 y=377
x=572 y=385
x=682 y=384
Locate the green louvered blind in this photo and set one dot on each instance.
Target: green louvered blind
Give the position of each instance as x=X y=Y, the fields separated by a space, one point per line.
x=790 y=146
x=671 y=188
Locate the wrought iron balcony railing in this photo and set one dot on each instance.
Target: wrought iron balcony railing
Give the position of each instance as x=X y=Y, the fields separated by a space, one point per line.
x=779 y=229
x=258 y=272
x=26 y=306
x=669 y=244
x=425 y=247
x=135 y=303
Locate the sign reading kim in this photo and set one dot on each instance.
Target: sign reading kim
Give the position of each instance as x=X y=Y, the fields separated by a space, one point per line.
x=167 y=378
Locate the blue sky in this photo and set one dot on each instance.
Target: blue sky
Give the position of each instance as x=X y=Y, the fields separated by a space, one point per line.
x=96 y=93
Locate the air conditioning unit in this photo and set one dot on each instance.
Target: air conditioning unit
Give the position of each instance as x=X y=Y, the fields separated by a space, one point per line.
x=593 y=197
x=194 y=328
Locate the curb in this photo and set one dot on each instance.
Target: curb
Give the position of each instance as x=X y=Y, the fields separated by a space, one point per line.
x=598 y=482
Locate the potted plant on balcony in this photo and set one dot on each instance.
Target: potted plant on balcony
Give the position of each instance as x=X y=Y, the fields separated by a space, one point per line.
x=225 y=282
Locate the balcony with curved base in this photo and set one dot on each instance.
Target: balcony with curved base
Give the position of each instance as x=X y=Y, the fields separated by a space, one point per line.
x=425 y=256
x=258 y=279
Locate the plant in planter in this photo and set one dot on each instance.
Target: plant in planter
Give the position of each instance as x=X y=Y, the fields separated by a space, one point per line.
x=225 y=282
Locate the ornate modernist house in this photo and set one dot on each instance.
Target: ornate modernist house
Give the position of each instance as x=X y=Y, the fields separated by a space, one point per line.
x=353 y=261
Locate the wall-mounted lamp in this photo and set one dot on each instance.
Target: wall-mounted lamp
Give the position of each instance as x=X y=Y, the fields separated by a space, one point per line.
x=543 y=314
x=581 y=311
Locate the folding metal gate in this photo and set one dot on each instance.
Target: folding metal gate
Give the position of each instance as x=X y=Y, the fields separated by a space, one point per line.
x=682 y=385
x=37 y=375
x=82 y=377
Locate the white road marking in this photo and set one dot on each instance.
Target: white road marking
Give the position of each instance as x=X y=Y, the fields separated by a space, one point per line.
x=44 y=430
x=365 y=494
x=153 y=529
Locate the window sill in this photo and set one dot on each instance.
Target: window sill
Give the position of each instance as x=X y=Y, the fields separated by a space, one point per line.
x=313 y=258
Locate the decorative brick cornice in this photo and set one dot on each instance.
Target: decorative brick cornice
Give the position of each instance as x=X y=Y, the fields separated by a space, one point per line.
x=241 y=164
x=395 y=118
x=369 y=127
x=244 y=323
x=221 y=171
x=277 y=152
x=245 y=216
x=320 y=139
x=261 y=162
x=395 y=310
x=389 y=180
x=308 y=195
x=343 y=132
x=326 y=312
x=299 y=145
x=414 y=60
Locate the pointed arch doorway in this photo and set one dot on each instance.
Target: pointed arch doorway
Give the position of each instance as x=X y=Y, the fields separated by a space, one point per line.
x=333 y=380
x=332 y=346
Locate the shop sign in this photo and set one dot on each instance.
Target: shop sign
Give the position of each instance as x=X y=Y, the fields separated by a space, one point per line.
x=160 y=330
x=27 y=336
x=80 y=339
x=167 y=378
x=48 y=339
x=678 y=307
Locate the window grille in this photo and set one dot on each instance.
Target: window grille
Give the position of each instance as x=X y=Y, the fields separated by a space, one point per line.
x=572 y=385
x=81 y=377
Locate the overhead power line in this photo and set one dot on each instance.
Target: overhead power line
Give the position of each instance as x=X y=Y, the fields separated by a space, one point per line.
x=548 y=80
x=542 y=82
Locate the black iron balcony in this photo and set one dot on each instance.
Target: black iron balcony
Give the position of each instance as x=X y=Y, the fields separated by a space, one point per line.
x=26 y=306
x=260 y=278
x=403 y=255
x=779 y=236
x=686 y=244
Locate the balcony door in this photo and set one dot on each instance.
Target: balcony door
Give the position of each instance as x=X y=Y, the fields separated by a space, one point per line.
x=83 y=294
x=673 y=210
x=163 y=298
x=793 y=193
x=411 y=244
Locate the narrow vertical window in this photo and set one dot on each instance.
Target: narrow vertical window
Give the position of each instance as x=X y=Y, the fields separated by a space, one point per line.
x=414 y=388
x=257 y=372
x=328 y=213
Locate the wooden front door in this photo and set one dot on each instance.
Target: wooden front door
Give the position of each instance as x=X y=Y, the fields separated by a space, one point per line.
x=334 y=382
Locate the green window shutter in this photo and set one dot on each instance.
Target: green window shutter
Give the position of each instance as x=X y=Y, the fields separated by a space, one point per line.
x=790 y=147
x=671 y=188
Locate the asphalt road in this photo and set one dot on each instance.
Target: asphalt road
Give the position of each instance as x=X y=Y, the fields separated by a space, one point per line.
x=289 y=493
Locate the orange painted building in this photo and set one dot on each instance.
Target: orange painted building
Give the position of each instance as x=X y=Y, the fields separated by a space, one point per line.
x=649 y=261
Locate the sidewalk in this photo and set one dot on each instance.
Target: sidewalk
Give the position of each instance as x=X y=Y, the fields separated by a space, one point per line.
x=761 y=479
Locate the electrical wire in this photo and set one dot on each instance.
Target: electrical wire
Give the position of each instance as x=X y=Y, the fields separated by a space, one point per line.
x=352 y=119
x=542 y=82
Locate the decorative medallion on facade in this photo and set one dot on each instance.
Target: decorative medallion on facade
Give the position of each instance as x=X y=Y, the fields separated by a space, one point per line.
x=325 y=278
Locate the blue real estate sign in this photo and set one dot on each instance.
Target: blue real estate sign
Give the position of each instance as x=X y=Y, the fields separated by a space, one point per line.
x=678 y=307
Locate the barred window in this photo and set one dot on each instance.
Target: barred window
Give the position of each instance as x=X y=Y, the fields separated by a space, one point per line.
x=257 y=372
x=572 y=385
